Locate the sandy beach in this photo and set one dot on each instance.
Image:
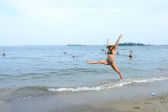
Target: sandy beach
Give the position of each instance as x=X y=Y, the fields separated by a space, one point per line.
x=137 y=98
x=142 y=104
x=129 y=99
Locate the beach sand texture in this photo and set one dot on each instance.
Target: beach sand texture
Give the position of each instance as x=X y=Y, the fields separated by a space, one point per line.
x=136 y=98
x=138 y=104
x=145 y=104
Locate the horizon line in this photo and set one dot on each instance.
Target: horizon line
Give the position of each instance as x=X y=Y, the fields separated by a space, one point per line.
x=74 y=45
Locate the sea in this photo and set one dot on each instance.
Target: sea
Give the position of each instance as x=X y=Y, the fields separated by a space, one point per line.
x=27 y=71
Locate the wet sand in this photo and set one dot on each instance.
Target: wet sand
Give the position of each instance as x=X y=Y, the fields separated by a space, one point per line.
x=141 y=104
x=148 y=97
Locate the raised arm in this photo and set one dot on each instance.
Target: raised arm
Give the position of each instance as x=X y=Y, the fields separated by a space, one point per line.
x=116 y=44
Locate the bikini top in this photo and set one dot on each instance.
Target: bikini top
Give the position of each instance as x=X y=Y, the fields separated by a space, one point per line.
x=109 y=52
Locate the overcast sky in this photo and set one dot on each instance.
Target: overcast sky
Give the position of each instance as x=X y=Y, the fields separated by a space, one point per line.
x=61 y=22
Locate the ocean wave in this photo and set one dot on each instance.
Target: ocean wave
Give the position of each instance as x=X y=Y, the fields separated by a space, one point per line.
x=35 y=91
x=117 y=84
x=26 y=92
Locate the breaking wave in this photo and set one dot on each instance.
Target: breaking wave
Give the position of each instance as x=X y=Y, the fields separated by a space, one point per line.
x=117 y=84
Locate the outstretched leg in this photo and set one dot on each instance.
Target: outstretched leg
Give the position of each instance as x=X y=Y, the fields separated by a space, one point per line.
x=98 y=62
x=117 y=70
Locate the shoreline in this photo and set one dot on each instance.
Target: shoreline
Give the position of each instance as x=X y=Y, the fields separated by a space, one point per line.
x=147 y=97
x=138 y=104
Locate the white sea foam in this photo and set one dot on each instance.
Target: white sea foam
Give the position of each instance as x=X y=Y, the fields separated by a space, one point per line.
x=108 y=86
x=76 y=89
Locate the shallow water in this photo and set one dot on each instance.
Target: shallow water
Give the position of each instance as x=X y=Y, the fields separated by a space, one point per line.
x=36 y=70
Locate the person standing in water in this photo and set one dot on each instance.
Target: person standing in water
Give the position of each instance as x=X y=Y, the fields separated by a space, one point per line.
x=3 y=54
x=110 y=57
x=131 y=54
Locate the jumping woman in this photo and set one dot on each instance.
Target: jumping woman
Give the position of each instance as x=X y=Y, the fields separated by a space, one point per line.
x=110 y=57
